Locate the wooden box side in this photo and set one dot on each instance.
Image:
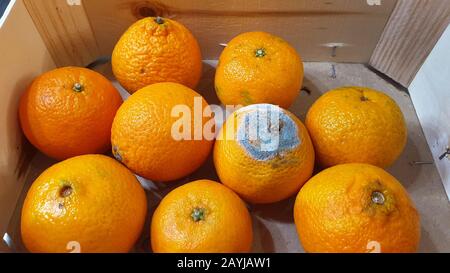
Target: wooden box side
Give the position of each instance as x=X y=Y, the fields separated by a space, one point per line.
x=413 y=30
x=24 y=56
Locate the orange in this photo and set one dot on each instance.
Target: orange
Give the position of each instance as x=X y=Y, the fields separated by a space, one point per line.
x=69 y=111
x=201 y=216
x=263 y=153
x=91 y=201
x=356 y=125
x=157 y=135
x=257 y=67
x=356 y=208
x=155 y=50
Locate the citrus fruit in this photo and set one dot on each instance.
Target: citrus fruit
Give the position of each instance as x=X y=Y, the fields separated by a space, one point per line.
x=356 y=125
x=146 y=136
x=201 y=216
x=89 y=200
x=257 y=67
x=156 y=49
x=356 y=208
x=69 y=111
x=263 y=153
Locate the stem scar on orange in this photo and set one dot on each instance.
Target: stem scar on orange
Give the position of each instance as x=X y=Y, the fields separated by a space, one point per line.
x=91 y=200
x=154 y=50
x=258 y=67
x=349 y=207
x=201 y=216
x=69 y=111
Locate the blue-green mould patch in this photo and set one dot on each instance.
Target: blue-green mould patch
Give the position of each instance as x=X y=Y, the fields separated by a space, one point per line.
x=266 y=131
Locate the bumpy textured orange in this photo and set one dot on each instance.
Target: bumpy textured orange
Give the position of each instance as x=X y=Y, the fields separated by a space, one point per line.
x=257 y=67
x=155 y=50
x=89 y=199
x=69 y=111
x=356 y=125
x=351 y=208
x=142 y=136
x=257 y=173
x=201 y=216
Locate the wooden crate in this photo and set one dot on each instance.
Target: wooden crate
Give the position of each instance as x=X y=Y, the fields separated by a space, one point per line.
x=344 y=42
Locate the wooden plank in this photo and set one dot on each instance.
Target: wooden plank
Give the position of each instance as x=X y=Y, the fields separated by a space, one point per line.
x=411 y=33
x=65 y=29
x=430 y=94
x=24 y=56
x=309 y=25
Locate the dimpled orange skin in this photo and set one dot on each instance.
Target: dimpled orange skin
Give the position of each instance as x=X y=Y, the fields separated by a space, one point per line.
x=226 y=226
x=61 y=122
x=142 y=133
x=242 y=78
x=268 y=181
x=356 y=125
x=104 y=210
x=334 y=212
x=149 y=53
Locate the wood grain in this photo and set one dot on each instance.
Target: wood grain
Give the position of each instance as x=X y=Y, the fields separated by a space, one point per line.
x=66 y=31
x=309 y=25
x=24 y=56
x=411 y=33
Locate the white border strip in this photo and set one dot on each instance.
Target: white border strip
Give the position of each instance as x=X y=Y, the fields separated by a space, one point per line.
x=7 y=11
